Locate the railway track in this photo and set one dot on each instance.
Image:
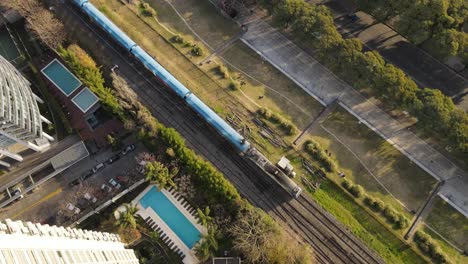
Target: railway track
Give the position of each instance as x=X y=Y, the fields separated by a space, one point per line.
x=330 y=243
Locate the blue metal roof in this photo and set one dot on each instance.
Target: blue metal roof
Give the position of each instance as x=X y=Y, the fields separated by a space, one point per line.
x=217 y=122
x=160 y=71
x=106 y=24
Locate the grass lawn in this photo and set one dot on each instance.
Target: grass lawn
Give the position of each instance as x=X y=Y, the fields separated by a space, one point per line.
x=388 y=165
x=363 y=225
x=449 y=223
x=202 y=17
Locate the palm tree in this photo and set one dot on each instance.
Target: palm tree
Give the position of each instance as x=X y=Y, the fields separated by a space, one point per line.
x=204 y=216
x=127 y=217
x=158 y=174
x=208 y=245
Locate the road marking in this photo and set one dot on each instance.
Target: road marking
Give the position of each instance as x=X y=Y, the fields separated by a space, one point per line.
x=45 y=198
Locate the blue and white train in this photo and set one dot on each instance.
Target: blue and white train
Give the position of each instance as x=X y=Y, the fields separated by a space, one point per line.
x=229 y=133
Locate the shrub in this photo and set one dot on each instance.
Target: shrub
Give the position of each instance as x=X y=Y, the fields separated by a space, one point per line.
x=357 y=190
x=177 y=39
x=196 y=50
x=316 y=151
x=223 y=71
x=147 y=10
x=378 y=205
x=275 y=118
x=233 y=85
x=428 y=247
x=346 y=184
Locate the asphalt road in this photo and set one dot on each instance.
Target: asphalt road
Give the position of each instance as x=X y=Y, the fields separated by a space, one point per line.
x=48 y=199
x=172 y=111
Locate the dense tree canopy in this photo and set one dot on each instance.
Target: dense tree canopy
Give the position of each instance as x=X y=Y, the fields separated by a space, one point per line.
x=435 y=111
x=436 y=23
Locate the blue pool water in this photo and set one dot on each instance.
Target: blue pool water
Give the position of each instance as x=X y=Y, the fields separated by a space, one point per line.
x=85 y=99
x=181 y=226
x=61 y=77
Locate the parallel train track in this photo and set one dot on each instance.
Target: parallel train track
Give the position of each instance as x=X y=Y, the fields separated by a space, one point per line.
x=328 y=239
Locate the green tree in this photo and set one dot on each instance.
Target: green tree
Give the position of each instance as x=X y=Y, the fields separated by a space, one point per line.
x=287 y=12
x=127 y=218
x=158 y=174
x=436 y=111
x=208 y=245
x=204 y=216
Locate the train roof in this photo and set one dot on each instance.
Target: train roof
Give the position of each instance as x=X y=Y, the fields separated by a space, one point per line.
x=106 y=24
x=215 y=120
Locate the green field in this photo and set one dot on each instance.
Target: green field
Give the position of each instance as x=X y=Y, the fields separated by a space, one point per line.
x=389 y=166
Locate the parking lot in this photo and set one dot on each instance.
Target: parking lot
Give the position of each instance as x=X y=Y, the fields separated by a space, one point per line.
x=79 y=189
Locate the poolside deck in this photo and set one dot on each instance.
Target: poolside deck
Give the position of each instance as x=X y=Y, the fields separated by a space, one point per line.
x=166 y=233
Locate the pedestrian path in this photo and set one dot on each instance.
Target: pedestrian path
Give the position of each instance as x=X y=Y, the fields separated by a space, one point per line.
x=325 y=87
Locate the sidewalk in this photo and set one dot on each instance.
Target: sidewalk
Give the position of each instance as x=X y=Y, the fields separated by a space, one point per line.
x=324 y=86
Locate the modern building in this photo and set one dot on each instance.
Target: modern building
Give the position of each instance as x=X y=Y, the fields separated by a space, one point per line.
x=20 y=119
x=28 y=243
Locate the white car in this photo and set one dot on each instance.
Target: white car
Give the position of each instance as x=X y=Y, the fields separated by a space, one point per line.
x=99 y=167
x=106 y=188
x=90 y=198
x=114 y=184
x=73 y=208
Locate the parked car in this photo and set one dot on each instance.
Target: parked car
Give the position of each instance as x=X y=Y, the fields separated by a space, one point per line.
x=128 y=149
x=74 y=182
x=353 y=17
x=99 y=167
x=71 y=207
x=16 y=192
x=122 y=179
x=113 y=158
x=86 y=175
x=106 y=188
x=114 y=184
x=90 y=198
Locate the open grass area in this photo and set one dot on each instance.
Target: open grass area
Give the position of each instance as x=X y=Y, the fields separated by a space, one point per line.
x=404 y=179
x=449 y=223
x=202 y=17
x=363 y=225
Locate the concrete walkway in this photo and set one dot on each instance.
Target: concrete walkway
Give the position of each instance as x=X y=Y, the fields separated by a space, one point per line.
x=325 y=87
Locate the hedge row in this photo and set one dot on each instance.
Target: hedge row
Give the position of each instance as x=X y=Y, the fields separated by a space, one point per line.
x=275 y=118
x=426 y=245
x=86 y=70
x=398 y=220
x=317 y=152
x=355 y=189
x=314 y=24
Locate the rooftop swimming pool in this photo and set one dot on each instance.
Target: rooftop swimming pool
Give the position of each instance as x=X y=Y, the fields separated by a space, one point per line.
x=61 y=77
x=85 y=99
x=171 y=215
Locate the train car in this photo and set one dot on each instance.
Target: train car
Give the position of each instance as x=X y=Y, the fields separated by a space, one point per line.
x=158 y=70
x=229 y=133
x=106 y=24
x=218 y=123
